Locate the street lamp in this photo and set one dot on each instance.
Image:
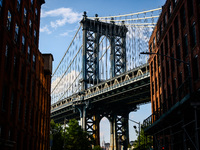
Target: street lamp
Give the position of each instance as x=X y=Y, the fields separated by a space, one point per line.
x=135 y=128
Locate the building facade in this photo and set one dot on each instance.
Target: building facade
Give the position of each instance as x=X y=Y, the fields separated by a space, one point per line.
x=175 y=77
x=25 y=78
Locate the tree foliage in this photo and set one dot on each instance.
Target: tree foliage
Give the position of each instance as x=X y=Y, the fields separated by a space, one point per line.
x=76 y=138
x=144 y=142
x=56 y=136
x=70 y=138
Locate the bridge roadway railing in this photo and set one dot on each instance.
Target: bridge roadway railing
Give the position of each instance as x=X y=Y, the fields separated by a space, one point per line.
x=122 y=80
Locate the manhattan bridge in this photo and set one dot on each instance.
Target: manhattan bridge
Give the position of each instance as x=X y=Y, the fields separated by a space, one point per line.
x=102 y=73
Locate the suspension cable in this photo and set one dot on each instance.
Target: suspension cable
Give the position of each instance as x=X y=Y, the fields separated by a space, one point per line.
x=66 y=51
x=127 y=14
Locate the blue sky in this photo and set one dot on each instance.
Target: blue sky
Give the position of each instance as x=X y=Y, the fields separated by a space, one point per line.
x=60 y=20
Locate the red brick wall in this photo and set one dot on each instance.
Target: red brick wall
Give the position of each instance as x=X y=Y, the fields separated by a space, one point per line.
x=171 y=44
x=24 y=96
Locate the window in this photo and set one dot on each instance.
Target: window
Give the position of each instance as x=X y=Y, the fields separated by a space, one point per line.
x=18 y=4
x=155 y=64
x=158 y=58
x=178 y=53
x=183 y=18
x=23 y=43
x=159 y=76
x=28 y=83
x=167 y=67
x=156 y=84
x=161 y=51
x=152 y=88
x=30 y=27
x=34 y=60
x=171 y=37
x=161 y=29
x=163 y=74
x=22 y=75
x=166 y=45
x=15 y=67
x=169 y=10
x=176 y=28
x=0 y=131
x=172 y=63
x=194 y=40
x=1 y=5
x=9 y=20
x=185 y=42
x=35 y=37
x=154 y=42
x=186 y=69
x=12 y=103
x=157 y=35
x=36 y=14
x=29 y=54
x=195 y=67
x=180 y=78
x=9 y=134
x=150 y=47
x=165 y=20
x=164 y=96
x=169 y=95
x=20 y=109
x=4 y=97
x=25 y=15
x=25 y=114
x=157 y=104
x=6 y=57
x=32 y=5
x=190 y=5
x=33 y=89
x=31 y=118
x=16 y=32
x=174 y=84
x=152 y=69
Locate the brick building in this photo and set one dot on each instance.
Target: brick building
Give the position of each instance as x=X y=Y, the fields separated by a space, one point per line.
x=25 y=78
x=175 y=85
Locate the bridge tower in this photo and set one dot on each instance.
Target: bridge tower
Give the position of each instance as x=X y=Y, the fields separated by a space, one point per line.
x=93 y=30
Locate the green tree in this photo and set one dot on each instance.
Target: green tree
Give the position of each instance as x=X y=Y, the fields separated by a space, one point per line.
x=146 y=142
x=97 y=147
x=56 y=136
x=76 y=138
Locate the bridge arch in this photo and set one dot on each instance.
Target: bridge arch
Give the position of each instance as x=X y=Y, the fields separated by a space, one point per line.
x=104 y=127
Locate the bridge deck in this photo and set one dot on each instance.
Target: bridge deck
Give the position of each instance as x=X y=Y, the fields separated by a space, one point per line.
x=124 y=91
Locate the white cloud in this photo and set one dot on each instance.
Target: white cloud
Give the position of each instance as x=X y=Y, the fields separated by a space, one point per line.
x=45 y=29
x=62 y=87
x=66 y=15
x=68 y=32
